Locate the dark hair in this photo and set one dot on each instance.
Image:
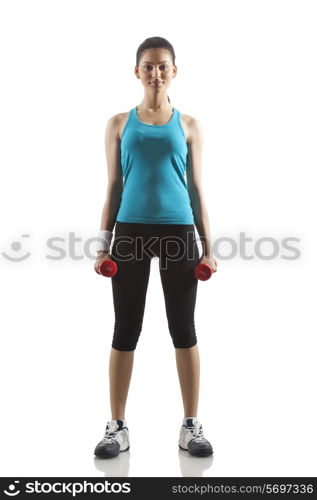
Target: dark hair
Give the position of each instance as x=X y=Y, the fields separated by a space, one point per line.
x=155 y=42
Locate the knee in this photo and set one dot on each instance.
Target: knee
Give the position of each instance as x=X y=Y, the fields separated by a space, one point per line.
x=183 y=334
x=125 y=336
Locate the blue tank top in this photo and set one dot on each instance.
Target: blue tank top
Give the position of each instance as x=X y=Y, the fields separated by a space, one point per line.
x=153 y=161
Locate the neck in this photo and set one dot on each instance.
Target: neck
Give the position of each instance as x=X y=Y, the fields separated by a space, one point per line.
x=155 y=102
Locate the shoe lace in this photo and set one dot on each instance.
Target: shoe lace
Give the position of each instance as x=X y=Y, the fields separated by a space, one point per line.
x=111 y=432
x=197 y=432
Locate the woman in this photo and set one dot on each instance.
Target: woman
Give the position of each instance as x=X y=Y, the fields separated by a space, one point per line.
x=151 y=147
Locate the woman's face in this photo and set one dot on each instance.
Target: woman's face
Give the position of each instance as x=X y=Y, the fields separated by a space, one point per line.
x=156 y=69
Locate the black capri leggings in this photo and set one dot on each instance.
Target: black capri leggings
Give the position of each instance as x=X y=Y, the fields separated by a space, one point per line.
x=134 y=245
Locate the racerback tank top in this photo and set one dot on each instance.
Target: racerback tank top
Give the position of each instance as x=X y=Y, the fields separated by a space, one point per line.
x=153 y=161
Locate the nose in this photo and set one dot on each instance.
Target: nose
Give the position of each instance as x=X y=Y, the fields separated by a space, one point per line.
x=156 y=74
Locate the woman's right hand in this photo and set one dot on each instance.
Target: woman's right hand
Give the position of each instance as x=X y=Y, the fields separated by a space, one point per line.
x=101 y=256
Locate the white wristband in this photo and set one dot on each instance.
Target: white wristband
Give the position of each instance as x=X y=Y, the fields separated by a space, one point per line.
x=104 y=241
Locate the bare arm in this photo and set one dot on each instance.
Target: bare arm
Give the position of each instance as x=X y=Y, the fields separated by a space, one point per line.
x=195 y=189
x=115 y=182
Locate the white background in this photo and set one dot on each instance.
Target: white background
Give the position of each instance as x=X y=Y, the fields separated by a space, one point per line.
x=247 y=71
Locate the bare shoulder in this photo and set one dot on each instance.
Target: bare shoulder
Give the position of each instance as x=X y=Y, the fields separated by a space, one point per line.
x=192 y=127
x=116 y=123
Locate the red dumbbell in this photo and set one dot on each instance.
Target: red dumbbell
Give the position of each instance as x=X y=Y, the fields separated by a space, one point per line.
x=203 y=271
x=108 y=268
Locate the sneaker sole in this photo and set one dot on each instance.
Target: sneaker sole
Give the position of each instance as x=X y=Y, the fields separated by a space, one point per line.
x=108 y=455
x=201 y=453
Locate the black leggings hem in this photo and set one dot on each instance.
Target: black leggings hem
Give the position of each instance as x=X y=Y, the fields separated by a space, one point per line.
x=123 y=348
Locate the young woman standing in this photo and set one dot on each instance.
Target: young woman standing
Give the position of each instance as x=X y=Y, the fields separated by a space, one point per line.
x=148 y=151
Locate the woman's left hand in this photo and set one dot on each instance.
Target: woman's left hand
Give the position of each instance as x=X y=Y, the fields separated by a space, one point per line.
x=211 y=261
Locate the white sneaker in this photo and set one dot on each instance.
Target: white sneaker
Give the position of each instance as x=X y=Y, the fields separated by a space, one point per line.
x=116 y=439
x=191 y=438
